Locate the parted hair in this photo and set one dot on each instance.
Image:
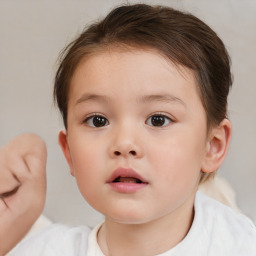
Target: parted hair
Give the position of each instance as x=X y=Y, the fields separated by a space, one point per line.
x=180 y=37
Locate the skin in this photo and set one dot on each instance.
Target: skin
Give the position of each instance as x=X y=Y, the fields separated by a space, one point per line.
x=22 y=187
x=126 y=88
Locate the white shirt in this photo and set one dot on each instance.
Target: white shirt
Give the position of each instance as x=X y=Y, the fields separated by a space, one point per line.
x=216 y=231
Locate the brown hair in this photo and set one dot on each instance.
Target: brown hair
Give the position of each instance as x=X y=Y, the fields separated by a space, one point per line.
x=181 y=37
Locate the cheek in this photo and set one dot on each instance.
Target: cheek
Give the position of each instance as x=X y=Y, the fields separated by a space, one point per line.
x=179 y=159
x=87 y=174
x=84 y=151
x=86 y=163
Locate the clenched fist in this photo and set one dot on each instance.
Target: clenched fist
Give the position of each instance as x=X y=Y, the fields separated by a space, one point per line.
x=22 y=187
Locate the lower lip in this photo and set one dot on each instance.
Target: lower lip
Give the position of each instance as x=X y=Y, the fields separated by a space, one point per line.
x=125 y=187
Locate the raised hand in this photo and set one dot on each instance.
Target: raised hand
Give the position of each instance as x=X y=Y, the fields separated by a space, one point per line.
x=22 y=187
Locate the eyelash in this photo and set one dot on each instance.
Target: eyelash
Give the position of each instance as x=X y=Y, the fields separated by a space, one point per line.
x=103 y=121
x=162 y=116
x=89 y=119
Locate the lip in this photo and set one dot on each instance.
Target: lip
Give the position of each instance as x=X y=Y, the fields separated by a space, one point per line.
x=126 y=187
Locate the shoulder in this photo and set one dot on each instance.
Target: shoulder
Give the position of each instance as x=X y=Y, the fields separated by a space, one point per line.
x=222 y=213
x=55 y=240
x=225 y=229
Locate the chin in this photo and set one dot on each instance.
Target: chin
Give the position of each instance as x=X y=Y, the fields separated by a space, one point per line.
x=125 y=212
x=128 y=218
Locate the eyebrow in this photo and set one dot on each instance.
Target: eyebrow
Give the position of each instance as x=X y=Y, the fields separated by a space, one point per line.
x=91 y=97
x=167 y=98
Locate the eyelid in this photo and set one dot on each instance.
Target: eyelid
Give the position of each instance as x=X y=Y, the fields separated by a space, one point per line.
x=92 y=115
x=161 y=114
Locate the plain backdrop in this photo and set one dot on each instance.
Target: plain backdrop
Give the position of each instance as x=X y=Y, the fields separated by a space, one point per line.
x=32 y=33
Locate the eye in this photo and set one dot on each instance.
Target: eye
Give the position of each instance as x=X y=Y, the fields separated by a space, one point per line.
x=158 y=120
x=96 y=121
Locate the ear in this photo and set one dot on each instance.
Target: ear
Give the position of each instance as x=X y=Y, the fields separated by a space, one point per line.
x=217 y=146
x=63 y=142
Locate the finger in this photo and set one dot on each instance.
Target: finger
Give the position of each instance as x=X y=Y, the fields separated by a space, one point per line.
x=3 y=206
x=8 y=181
x=9 y=193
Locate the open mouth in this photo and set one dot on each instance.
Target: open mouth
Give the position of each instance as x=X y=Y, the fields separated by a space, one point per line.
x=127 y=180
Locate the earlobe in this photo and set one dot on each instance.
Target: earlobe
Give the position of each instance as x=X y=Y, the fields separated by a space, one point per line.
x=217 y=146
x=63 y=142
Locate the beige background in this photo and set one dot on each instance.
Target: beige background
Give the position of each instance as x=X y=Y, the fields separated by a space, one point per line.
x=32 y=33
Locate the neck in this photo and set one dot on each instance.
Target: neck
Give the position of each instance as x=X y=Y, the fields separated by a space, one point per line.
x=146 y=239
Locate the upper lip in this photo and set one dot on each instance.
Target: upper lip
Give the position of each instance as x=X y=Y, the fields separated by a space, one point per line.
x=125 y=172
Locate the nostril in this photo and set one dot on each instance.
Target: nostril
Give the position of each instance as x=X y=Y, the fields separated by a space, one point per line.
x=132 y=152
x=117 y=153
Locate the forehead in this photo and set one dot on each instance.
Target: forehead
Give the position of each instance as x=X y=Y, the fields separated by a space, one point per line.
x=145 y=67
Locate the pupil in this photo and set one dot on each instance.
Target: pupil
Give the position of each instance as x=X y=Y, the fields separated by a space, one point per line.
x=99 y=121
x=158 y=120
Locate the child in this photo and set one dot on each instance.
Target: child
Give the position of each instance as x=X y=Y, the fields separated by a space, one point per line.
x=143 y=95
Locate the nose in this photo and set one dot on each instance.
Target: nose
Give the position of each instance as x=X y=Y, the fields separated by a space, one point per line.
x=126 y=144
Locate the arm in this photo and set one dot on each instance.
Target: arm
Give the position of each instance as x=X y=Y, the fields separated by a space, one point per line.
x=22 y=187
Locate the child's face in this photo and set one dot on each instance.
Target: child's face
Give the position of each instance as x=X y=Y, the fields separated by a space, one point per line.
x=134 y=112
